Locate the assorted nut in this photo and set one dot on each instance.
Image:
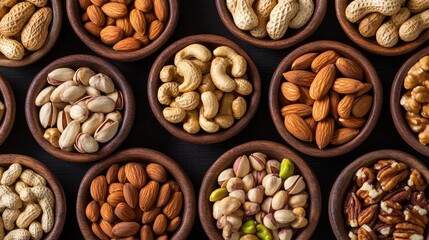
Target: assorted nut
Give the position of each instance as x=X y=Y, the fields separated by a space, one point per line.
x=135 y=200
x=26 y=204
x=269 y=17
x=387 y=201
x=260 y=199
x=325 y=99
x=24 y=27
x=203 y=91
x=79 y=109
x=125 y=25
x=391 y=20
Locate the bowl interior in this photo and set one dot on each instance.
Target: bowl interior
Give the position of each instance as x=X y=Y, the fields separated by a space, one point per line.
x=167 y=56
x=144 y=156
x=292 y=36
x=370 y=76
x=74 y=13
x=342 y=184
x=52 y=182
x=54 y=32
x=370 y=44
x=98 y=65
x=273 y=151
x=8 y=99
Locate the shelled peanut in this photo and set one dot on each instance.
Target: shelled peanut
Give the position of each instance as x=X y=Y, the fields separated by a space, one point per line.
x=203 y=91
x=390 y=20
x=135 y=200
x=415 y=100
x=325 y=99
x=270 y=17
x=260 y=199
x=26 y=204
x=127 y=25
x=23 y=27
x=79 y=109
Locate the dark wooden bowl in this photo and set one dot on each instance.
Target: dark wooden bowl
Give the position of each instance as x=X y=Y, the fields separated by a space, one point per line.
x=370 y=76
x=8 y=99
x=52 y=182
x=74 y=13
x=274 y=151
x=54 y=33
x=370 y=44
x=98 y=65
x=167 y=56
x=292 y=36
x=342 y=184
x=142 y=155
x=398 y=112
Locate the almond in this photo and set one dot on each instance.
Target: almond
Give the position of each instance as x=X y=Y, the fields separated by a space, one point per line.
x=116 y=187
x=99 y=2
x=92 y=211
x=148 y=194
x=122 y=178
x=322 y=82
x=334 y=98
x=164 y=195
x=160 y=8
x=150 y=17
x=352 y=122
x=324 y=59
x=125 y=25
x=290 y=91
x=347 y=85
x=107 y=212
x=96 y=15
x=149 y=216
x=305 y=96
x=144 y=5
x=126 y=2
x=156 y=172
x=138 y=21
x=112 y=173
x=321 y=108
x=125 y=212
x=127 y=44
x=125 y=229
x=299 y=109
x=115 y=198
x=115 y=10
x=298 y=127
x=304 y=62
x=160 y=224
x=175 y=187
x=155 y=29
x=110 y=21
x=312 y=124
x=300 y=77
x=324 y=132
x=349 y=68
x=92 y=28
x=107 y=228
x=343 y=135
x=98 y=188
x=111 y=35
x=84 y=4
x=174 y=224
x=142 y=38
x=131 y=195
x=361 y=106
x=366 y=88
x=345 y=105
x=174 y=206
x=136 y=174
x=99 y=232
x=146 y=233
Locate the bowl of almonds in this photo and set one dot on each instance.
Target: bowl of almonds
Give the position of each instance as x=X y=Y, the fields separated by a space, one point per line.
x=7 y=109
x=28 y=29
x=126 y=30
x=137 y=194
x=80 y=108
x=325 y=98
x=381 y=195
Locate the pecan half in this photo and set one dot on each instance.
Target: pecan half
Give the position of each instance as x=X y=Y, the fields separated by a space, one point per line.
x=362 y=175
x=390 y=175
x=383 y=163
x=368 y=216
x=369 y=193
x=390 y=212
x=416 y=216
x=406 y=230
x=383 y=229
x=352 y=210
x=419 y=199
x=416 y=181
x=399 y=195
x=366 y=233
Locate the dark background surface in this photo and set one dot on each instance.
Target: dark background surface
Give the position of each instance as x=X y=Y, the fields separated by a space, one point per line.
x=197 y=17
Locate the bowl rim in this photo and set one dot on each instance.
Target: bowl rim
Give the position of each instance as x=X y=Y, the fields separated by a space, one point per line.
x=341 y=184
x=51 y=39
x=8 y=120
x=95 y=44
x=371 y=45
x=128 y=113
x=303 y=33
x=227 y=159
x=143 y=155
x=54 y=185
x=396 y=109
x=371 y=76
x=202 y=137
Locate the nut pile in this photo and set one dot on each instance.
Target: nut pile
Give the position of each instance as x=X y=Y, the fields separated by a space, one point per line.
x=27 y=204
x=416 y=99
x=325 y=98
x=135 y=200
x=23 y=26
x=127 y=25
x=387 y=201
x=269 y=17
x=260 y=199
x=79 y=109
x=391 y=20
x=204 y=91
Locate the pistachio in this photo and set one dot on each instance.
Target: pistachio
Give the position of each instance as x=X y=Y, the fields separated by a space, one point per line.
x=280 y=200
x=60 y=75
x=60 y=105
x=83 y=101
x=118 y=98
x=48 y=115
x=258 y=161
x=216 y=210
x=72 y=94
x=259 y=175
x=106 y=131
x=234 y=183
x=63 y=119
x=79 y=113
x=115 y=116
x=285 y=234
x=56 y=94
x=82 y=75
x=229 y=205
x=68 y=137
x=225 y=175
x=299 y=222
x=241 y=166
x=286 y=169
x=92 y=123
x=238 y=194
x=85 y=143
x=259 y=217
x=44 y=96
x=298 y=200
x=249 y=182
x=218 y=194
x=52 y=135
x=249 y=237
x=299 y=212
x=294 y=184
x=273 y=166
x=284 y=216
x=263 y=232
x=266 y=205
x=101 y=104
x=251 y=208
x=256 y=194
x=270 y=222
x=90 y=91
x=102 y=82
x=235 y=222
x=248 y=227
x=271 y=184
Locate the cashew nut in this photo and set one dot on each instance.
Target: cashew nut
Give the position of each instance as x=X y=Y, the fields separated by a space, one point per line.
x=31 y=213
x=8 y=198
x=168 y=91
x=210 y=103
x=239 y=107
x=18 y=234
x=9 y=217
x=191 y=125
x=204 y=66
x=188 y=101
x=206 y=84
x=31 y=178
x=191 y=73
x=197 y=51
x=219 y=94
x=174 y=115
x=239 y=64
x=225 y=118
x=206 y=124
x=219 y=76
x=44 y=196
x=243 y=87
x=11 y=174
x=35 y=230
x=167 y=73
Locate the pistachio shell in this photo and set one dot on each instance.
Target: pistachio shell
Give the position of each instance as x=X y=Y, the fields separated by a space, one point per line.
x=63 y=120
x=90 y=91
x=115 y=116
x=92 y=123
x=82 y=75
x=68 y=137
x=106 y=131
x=48 y=115
x=56 y=94
x=102 y=104
x=72 y=94
x=60 y=75
x=79 y=113
x=118 y=98
x=102 y=82
x=44 y=96
x=85 y=143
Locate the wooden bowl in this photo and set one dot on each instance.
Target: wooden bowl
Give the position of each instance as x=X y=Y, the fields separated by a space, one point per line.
x=54 y=33
x=273 y=151
x=145 y=156
x=167 y=56
x=52 y=182
x=292 y=36
x=8 y=99
x=98 y=65
x=370 y=44
x=74 y=13
x=370 y=76
x=398 y=112
x=342 y=184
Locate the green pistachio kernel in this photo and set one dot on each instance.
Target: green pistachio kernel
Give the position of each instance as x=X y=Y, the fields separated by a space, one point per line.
x=263 y=232
x=248 y=227
x=286 y=168
x=218 y=194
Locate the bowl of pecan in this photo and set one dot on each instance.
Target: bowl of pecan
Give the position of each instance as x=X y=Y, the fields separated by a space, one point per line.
x=381 y=195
